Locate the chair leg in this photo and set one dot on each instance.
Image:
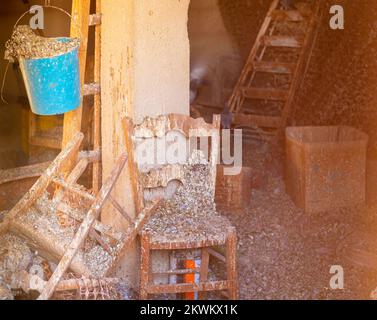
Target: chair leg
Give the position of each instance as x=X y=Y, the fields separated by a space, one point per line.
x=203 y=275
x=145 y=264
x=231 y=249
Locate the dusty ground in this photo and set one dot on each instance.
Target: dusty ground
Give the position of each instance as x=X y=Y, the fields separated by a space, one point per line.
x=285 y=253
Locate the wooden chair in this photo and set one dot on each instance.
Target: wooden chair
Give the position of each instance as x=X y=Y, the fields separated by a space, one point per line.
x=209 y=233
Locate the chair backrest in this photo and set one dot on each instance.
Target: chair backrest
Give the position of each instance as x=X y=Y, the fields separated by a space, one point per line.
x=152 y=139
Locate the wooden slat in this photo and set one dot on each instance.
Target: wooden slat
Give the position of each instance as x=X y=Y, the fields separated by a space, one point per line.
x=16 y=174
x=176 y=272
x=83 y=230
x=287 y=15
x=42 y=183
x=132 y=231
x=282 y=41
x=96 y=179
x=266 y=94
x=188 y=287
x=99 y=226
x=74 y=188
x=256 y=120
x=120 y=209
x=274 y=67
x=216 y=254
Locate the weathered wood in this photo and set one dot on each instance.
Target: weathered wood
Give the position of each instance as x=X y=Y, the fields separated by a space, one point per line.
x=120 y=209
x=203 y=273
x=235 y=100
x=79 y=28
x=102 y=242
x=176 y=272
x=91 y=156
x=73 y=177
x=100 y=227
x=265 y=94
x=74 y=188
x=23 y=280
x=137 y=193
x=132 y=231
x=21 y=173
x=144 y=265
x=274 y=67
x=96 y=181
x=282 y=41
x=83 y=230
x=95 y=19
x=42 y=183
x=188 y=287
x=90 y=89
x=216 y=254
x=255 y=63
x=231 y=270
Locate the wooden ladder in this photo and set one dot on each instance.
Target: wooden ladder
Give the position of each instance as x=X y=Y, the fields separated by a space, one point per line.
x=58 y=136
x=259 y=103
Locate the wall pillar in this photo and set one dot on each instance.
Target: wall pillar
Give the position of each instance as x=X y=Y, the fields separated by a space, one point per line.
x=144 y=71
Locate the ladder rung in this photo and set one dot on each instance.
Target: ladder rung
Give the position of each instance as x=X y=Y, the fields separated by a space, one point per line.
x=274 y=67
x=287 y=15
x=282 y=41
x=91 y=89
x=95 y=19
x=265 y=94
x=256 y=120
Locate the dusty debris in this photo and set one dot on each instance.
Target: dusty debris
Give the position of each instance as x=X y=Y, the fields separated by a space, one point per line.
x=190 y=214
x=26 y=44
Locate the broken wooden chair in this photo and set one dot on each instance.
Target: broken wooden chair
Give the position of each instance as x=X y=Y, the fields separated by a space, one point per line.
x=34 y=217
x=208 y=234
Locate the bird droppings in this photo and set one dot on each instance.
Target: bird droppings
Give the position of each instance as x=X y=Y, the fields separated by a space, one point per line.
x=25 y=43
x=190 y=215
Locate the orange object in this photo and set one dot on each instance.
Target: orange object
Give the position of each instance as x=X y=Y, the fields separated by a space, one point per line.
x=189 y=278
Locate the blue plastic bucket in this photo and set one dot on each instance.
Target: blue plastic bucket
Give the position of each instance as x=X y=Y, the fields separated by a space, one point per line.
x=53 y=84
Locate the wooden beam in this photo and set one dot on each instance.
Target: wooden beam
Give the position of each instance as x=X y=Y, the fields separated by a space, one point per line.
x=21 y=173
x=96 y=181
x=79 y=29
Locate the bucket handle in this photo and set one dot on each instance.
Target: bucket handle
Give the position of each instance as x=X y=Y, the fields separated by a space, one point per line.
x=53 y=7
x=47 y=5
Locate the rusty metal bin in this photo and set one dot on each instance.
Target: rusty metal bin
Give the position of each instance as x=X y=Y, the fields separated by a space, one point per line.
x=325 y=167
